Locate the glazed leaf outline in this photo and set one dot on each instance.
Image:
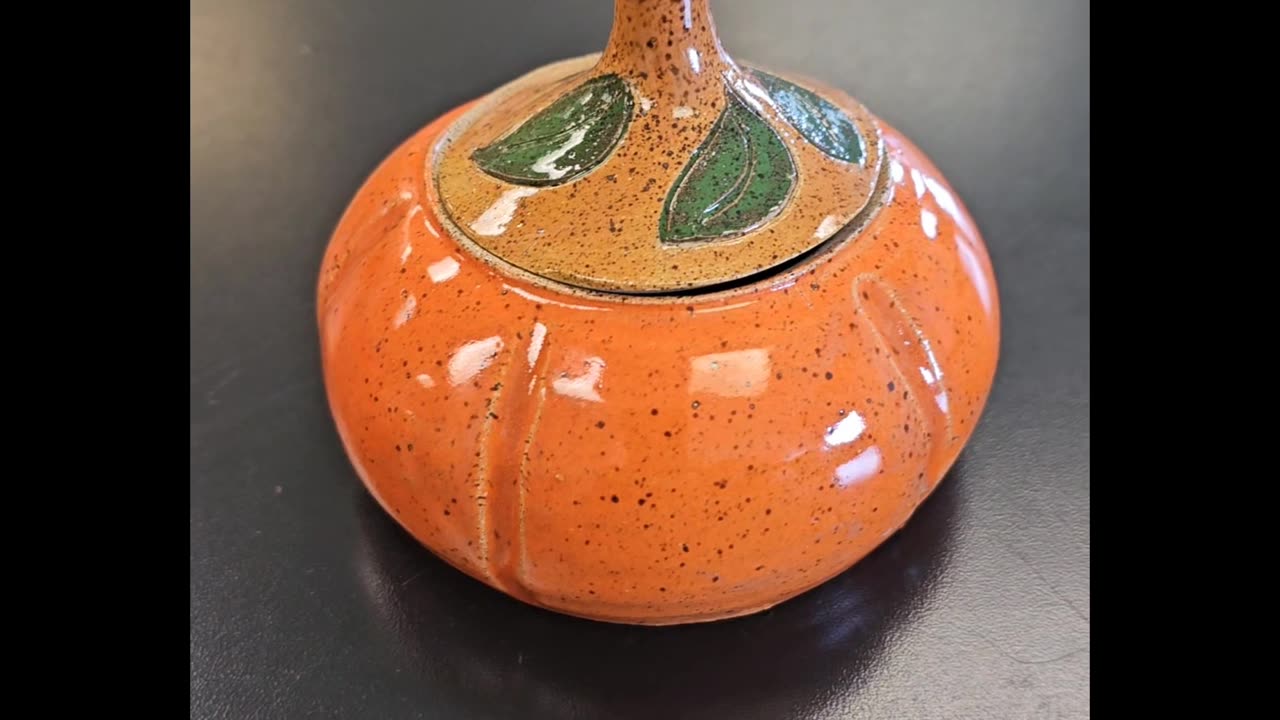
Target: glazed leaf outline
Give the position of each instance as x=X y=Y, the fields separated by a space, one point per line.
x=739 y=178
x=566 y=140
x=824 y=125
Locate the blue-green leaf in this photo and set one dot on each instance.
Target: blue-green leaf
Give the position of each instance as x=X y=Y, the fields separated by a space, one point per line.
x=739 y=178
x=567 y=140
x=824 y=125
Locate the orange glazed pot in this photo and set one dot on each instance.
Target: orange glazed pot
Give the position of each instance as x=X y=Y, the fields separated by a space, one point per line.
x=653 y=337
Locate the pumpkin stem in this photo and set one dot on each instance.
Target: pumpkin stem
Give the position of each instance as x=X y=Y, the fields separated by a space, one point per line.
x=668 y=48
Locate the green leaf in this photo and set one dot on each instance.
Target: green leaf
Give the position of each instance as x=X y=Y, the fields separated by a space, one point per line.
x=738 y=179
x=824 y=125
x=566 y=140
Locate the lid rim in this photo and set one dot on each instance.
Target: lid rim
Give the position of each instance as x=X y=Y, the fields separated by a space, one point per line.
x=881 y=197
x=569 y=73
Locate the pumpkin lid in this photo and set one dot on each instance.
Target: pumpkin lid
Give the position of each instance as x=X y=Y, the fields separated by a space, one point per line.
x=660 y=165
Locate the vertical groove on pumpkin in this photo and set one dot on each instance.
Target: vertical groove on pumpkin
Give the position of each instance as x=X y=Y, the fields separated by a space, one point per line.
x=522 y=571
x=484 y=477
x=899 y=334
x=522 y=394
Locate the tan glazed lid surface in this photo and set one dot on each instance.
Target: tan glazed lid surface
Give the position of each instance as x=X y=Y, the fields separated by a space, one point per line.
x=660 y=165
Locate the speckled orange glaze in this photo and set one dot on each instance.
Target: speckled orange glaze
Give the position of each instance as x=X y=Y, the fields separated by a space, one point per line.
x=655 y=457
x=655 y=461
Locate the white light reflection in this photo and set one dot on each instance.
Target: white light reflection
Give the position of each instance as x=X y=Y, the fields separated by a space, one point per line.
x=407 y=311
x=530 y=296
x=753 y=94
x=584 y=386
x=943 y=197
x=846 y=431
x=828 y=227
x=408 y=229
x=741 y=373
x=535 y=343
x=929 y=223
x=471 y=359
x=443 y=270
x=430 y=228
x=933 y=375
x=721 y=308
x=862 y=467
x=494 y=220
x=973 y=268
x=547 y=164
x=918 y=180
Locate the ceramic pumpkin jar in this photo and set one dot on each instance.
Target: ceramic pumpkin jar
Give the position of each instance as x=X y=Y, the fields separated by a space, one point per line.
x=653 y=336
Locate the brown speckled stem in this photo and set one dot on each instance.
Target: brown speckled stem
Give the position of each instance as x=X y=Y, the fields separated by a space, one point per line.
x=669 y=49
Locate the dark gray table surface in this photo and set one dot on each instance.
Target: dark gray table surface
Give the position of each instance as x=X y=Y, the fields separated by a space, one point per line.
x=307 y=602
